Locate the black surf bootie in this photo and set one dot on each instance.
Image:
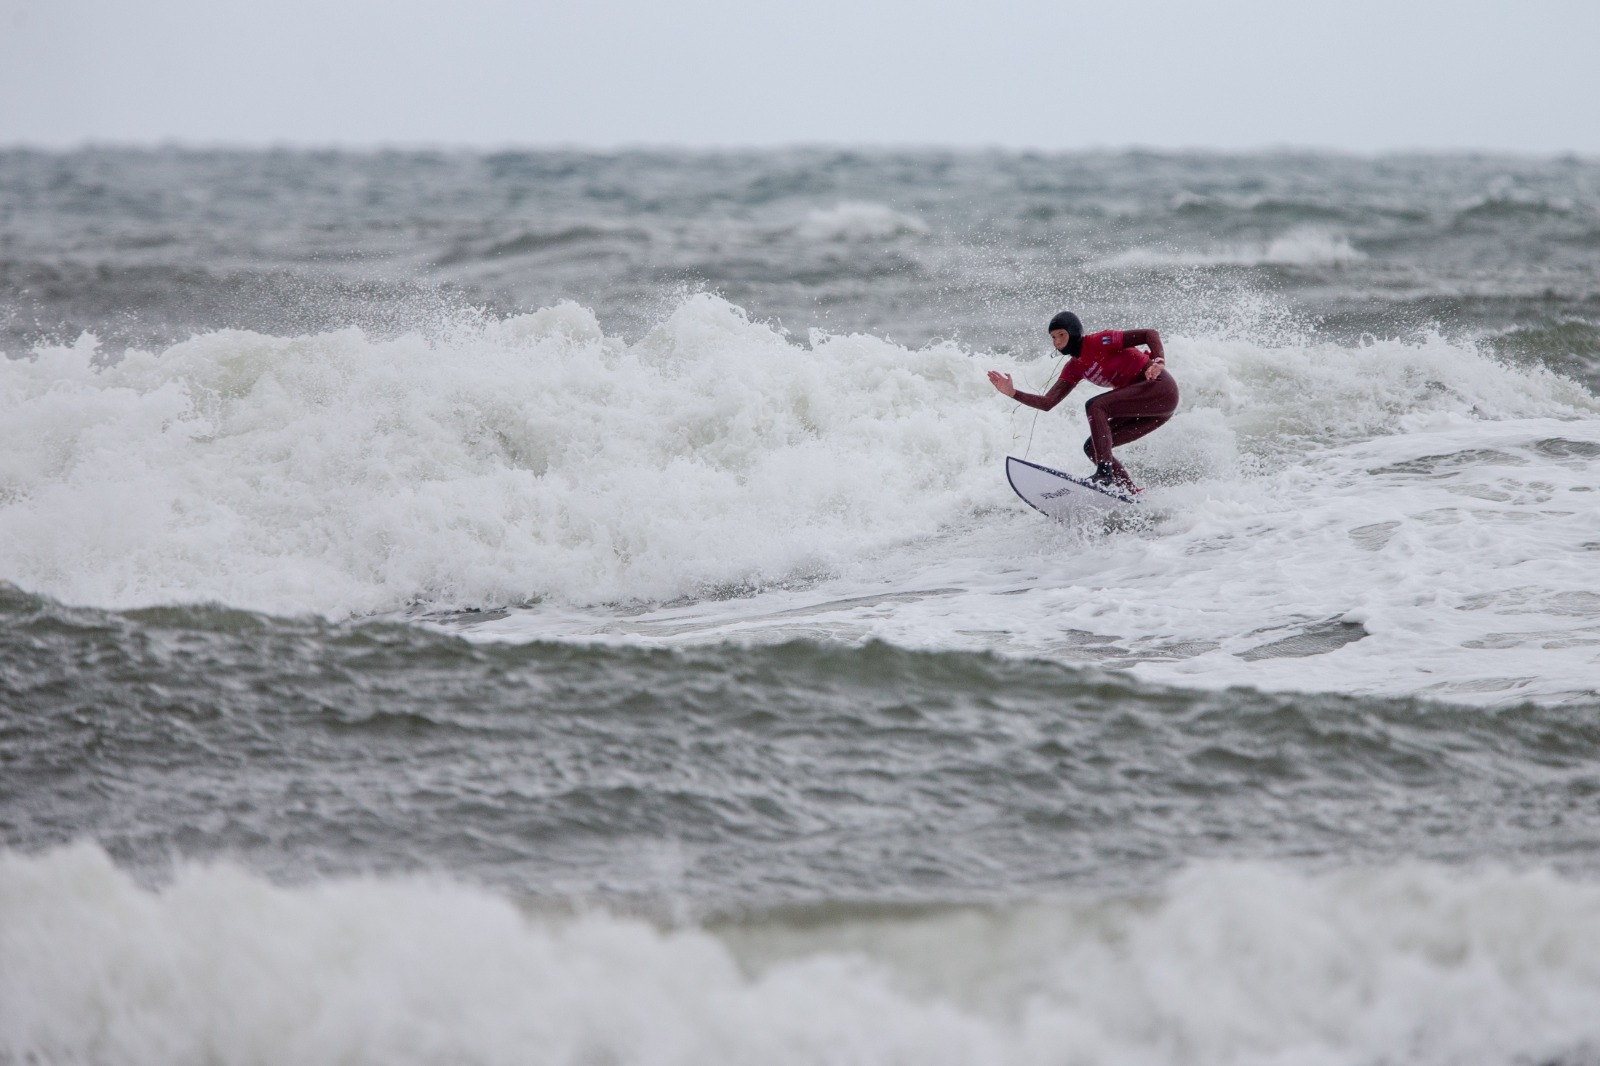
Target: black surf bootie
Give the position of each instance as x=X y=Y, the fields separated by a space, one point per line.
x=1107 y=476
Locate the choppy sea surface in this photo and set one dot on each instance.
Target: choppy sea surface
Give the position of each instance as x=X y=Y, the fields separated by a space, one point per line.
x=547 y=607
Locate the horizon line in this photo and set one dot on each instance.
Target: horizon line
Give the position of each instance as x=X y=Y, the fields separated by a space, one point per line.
x=379 y=146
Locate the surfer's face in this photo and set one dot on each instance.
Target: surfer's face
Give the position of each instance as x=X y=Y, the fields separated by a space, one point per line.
x=1059 y=338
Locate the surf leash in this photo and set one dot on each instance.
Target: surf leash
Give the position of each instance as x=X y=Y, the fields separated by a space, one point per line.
x=1027 y=449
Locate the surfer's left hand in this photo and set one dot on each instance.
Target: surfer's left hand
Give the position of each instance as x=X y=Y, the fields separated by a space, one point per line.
x=1153 y=371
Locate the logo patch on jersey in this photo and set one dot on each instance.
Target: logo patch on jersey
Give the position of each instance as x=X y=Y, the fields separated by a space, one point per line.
x=1106 y=339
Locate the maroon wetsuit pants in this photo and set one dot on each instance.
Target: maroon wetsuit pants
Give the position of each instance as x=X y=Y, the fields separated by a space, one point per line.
x=1126 y=414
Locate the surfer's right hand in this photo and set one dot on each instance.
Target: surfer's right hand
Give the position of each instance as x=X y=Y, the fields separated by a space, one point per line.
x=1002 y=382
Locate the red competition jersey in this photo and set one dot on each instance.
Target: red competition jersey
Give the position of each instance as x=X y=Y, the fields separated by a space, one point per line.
x=1105 y=359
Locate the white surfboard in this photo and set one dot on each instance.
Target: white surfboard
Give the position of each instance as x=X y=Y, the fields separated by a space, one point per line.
x=1057 y=494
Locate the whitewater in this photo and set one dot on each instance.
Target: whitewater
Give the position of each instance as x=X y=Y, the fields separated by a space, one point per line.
x=1226 y=965
x=718 y=479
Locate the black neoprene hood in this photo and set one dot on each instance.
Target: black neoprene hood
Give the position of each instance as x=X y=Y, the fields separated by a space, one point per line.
x=1068 y=321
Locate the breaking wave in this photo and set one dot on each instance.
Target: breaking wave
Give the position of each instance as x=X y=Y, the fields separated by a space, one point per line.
x=1237 y=963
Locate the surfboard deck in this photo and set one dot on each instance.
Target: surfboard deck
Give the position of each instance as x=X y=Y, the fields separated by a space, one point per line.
x=1058 y=494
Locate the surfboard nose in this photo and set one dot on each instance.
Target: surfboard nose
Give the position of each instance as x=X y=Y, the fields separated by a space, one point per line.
x=1057 y=493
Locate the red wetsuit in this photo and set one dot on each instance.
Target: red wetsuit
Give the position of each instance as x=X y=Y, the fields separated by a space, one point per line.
x=1132 y=408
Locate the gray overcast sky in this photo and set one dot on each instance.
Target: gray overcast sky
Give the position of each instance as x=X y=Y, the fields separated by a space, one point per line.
x=1353 y=74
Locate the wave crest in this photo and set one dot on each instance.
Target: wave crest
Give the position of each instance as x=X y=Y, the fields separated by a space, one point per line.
x=856 y=221
x=1299 y=247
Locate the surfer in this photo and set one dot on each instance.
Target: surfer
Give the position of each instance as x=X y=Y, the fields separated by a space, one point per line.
x=1142 y=397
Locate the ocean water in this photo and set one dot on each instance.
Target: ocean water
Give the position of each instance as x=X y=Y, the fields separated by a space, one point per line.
x=546 y=607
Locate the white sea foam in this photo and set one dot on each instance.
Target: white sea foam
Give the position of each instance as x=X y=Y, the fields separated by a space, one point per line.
x=1247 y=964
x=525 y=458
x=856 y=221
x=1416 y=496
x=537 y=458
x=1305 y=246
